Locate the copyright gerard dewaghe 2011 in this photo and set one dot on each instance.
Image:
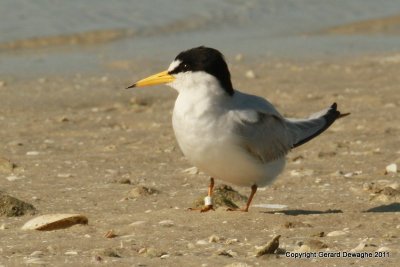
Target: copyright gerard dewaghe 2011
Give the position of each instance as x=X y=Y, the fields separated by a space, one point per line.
x=337 y=254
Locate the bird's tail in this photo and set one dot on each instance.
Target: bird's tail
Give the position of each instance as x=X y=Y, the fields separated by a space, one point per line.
x=306 y=129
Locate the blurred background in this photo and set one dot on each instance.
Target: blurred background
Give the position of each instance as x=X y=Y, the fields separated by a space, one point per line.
x=55 y=36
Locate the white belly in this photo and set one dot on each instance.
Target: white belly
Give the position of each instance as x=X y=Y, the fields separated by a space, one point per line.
x=209 y=146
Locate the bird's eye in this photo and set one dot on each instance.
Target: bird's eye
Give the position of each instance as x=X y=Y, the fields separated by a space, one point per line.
x=185 y=66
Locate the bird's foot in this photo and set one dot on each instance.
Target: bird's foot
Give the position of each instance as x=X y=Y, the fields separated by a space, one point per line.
x=245 y=209
x=203 y=209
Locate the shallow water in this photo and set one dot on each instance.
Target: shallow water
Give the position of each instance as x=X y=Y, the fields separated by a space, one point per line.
x=54 y=36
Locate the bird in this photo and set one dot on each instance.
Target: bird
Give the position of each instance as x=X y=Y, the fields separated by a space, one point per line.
x=228 y=134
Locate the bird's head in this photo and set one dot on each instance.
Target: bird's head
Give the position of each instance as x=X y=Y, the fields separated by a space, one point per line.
x=200 y=67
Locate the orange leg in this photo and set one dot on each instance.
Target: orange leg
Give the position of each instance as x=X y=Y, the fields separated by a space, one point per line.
x=246 y=208
x=210 y=191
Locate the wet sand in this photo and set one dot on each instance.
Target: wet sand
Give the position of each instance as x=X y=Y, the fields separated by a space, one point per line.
x=81 y=144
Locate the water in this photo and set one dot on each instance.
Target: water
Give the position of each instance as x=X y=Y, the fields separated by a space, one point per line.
x=36 y=36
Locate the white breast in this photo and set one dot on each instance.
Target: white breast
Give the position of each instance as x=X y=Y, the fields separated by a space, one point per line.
x=203 y=130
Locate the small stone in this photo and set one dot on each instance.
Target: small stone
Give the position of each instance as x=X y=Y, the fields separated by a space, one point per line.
x=224 y=253
x=3 y=226
x=303 y=248
x=3 y=84
x=336 y=233
x=71 y=253
x=13 y=207
x=250 y=74
x=13 y=178
x=201 y=242
x=37 y=254
x=319 y=234
x=6 y=166
x=296 y=225
x=64 y=175
x=110 y=234
x=111 y=253
x=270 y=247
x=32 y=153
x=192 y=171
x=37 y=261
x=124 y=181
x=213 y=239
x=164 y=256
x=383 y=249
x=230 y=241
x=391 y=168
x=153 y=253
x=166 y=223
x=140 y=191
x=137 y=223
x=360 y=247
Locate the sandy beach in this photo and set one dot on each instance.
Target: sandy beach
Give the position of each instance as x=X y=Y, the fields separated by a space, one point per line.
x=74 y=141
x=84 y=145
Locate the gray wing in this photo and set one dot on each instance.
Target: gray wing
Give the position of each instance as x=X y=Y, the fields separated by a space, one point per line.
x=304 y=130
x=260 y=129
x=266 y=138
x=267 y=135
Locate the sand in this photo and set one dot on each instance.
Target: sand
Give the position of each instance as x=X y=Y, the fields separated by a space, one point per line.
x=81 y=144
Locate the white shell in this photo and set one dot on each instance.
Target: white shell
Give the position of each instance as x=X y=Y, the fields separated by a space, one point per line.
x=50 y=222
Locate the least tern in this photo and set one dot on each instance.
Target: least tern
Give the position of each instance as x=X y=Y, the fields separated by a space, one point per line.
x=230 y=135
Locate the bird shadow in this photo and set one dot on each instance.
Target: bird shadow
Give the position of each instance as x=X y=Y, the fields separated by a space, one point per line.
x=393 y=207
x=303 y=212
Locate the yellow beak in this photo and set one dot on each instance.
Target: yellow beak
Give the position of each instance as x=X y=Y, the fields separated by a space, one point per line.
x=159 y=78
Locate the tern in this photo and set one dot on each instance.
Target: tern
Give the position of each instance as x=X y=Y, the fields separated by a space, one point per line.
x=230 y=135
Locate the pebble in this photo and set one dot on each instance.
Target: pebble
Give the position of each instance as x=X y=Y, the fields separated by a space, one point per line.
x=192 y=171
x=201 y=242
x=224 y=253
x=35 y=261
x=139 y=191
x=71 y=252
x=137 y=223
x=250 y=74
x=230 y=241
x=37 y=253
x=6 y=166
x=383 y=249
x=32 y=153
x=213 y=239
x=336 y=233
x=13 y=178
x=3 y=84
x=64 y=175
x=110 y=234
x=50 y=222
x=166 y=223
x=391 y=168
x=153 y=253
x=3 y=226
x=351 y=174
x=270 y=247
x=360 y=247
